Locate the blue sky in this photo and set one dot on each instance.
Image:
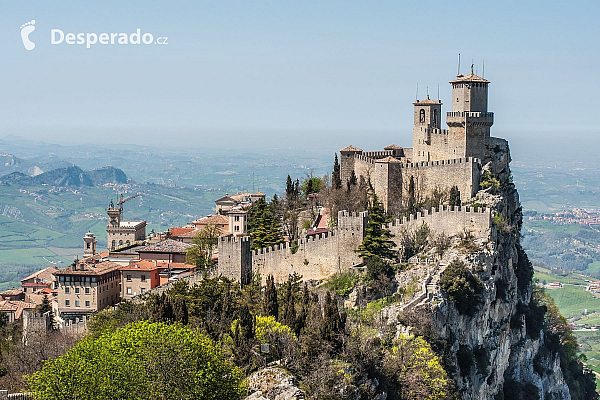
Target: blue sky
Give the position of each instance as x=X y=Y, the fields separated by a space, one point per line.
x=296 y=73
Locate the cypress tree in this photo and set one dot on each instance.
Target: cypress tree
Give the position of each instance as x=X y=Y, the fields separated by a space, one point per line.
x=270 y=307
x=289 y=314
x=336 y=178
x=411 y=195
x=454 y=196
x=289 y=188
x=180 y=310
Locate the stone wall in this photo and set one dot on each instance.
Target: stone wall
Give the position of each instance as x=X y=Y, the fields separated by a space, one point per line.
x=450 y=221
x=465 y=173
x=234 y=258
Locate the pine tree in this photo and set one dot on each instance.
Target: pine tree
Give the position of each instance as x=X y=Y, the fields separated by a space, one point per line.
x=336 y=178
x=263 y=224
x=454 y=196
x=377 y=241
x=270 y=305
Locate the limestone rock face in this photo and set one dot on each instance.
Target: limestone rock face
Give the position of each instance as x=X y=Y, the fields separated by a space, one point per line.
x=273 y=383
x=493 y=340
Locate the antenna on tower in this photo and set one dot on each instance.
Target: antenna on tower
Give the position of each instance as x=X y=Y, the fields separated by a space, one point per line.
x=483 y=69
x=427 y=92
x=417 y=94
x=458 y=72
x=472 y=65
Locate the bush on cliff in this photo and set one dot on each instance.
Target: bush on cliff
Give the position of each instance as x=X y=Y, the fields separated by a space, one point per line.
x=462 y=287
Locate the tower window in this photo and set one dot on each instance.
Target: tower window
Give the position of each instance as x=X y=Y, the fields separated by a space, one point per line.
x=422 y=116
x=435 y=116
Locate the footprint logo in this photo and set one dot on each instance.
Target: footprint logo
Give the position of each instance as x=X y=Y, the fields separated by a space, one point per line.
x=26 y=29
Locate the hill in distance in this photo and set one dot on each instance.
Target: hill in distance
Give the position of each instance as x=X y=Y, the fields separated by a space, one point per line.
x=68 y=177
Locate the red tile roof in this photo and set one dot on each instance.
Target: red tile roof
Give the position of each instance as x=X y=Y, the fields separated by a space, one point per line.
x=216 y=219
x=15 y=306
x=89 y=269
x=177 y=232
x=351 y=148
x=42 y=275
x=141 y=265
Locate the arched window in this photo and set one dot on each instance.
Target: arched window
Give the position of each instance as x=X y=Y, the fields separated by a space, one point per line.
x=127 y=242
x=422 y=116
x=120 y=242
x=114 y=243
x=87 y=245
x=435 y=116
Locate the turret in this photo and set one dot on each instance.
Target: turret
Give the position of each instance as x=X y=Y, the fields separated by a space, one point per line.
x=427 y=120
x=89 y=245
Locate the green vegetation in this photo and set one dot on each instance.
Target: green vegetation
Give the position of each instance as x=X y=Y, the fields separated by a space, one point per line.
x=377 y=241
x=462 y=287
x=342 y=282
x=142 y=360
x=488 y=181
x=264 y=225
x=205 y=244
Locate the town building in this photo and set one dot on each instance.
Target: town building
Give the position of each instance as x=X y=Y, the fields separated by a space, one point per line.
x=87 y=286
x=239 y=200
x=121 y=232
x=139 y=277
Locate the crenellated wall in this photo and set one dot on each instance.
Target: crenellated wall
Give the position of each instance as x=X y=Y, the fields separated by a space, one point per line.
x=450 y=221
x=322 y=255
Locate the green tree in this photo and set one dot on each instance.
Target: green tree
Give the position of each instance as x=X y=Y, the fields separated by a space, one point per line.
x=143 y=360
x=454 y=196
x=270 y=305
x=204 y=245
x=264 y=224
x=377 y=241
x=336 y=178
x=462 y=287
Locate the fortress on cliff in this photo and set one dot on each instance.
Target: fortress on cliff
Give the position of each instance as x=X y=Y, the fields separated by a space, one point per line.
x=439 y=159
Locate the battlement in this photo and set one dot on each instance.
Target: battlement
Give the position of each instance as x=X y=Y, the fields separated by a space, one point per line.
x=364 y=158
x=287 y=246
x=378 y=154
x=234 y=239
x=434 y=131
x=454 y=161
x=450 y=221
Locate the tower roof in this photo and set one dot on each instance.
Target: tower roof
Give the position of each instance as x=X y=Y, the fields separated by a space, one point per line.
x=469 y=78
x=351 y=148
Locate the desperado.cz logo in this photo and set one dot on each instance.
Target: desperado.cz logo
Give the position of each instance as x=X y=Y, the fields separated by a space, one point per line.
x=57 y=36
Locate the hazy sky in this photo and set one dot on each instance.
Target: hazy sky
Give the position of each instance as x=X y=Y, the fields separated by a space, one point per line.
x=306 y=73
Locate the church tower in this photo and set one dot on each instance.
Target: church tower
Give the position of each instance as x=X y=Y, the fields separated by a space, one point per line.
x=427 y=115
x=89 y=245
x=469 y=121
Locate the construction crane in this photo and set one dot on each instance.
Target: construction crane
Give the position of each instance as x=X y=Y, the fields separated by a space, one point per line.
x=121 y=200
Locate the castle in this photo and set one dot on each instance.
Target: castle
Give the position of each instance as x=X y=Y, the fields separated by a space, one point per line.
x=439 y=159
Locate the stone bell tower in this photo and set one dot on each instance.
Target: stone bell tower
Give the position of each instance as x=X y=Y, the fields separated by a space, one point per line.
x=89 y=244
x=427 y=115
x=469 y=121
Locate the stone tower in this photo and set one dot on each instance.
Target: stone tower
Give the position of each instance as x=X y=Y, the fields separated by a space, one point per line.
x=427 y=121
x=469 y=121
x=114 y=215
x=89 y=245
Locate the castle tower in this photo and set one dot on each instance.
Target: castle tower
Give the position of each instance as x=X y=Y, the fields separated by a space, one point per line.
x=347 y=162
x=427 y=121
x=469 y=121
x=89 y=245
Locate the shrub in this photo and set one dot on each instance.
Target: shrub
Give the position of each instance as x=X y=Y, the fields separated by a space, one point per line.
x=141 y=360
x=342 y=282
x=462 y=287
x=488 y=181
